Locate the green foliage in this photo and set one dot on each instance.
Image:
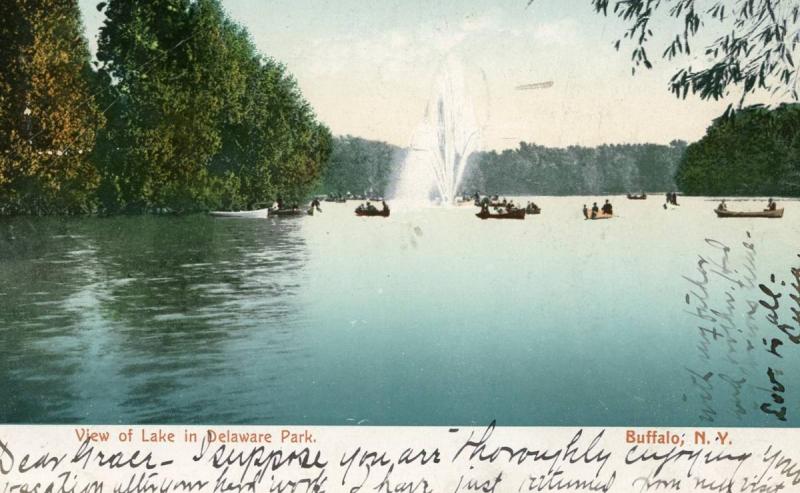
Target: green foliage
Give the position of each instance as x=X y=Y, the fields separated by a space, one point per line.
x=575 y=170
x=197 y=118
x=48 y=116
x=360 y=166
x=363 y=166
x=754 y=151
x=182 y=113
x=753 y=45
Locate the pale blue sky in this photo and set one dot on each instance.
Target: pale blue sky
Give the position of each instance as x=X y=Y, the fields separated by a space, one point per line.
x=368 y=68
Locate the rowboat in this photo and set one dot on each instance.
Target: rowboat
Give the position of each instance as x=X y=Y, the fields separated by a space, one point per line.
x=777 y=213
x=287 y=212
x=533 y=210
x=254 y=214
x=601 y=215
x=637 y=197
x=513 y=214
x=375 y=213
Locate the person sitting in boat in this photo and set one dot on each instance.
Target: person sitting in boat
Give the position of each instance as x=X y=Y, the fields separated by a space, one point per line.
x=771 y=205
x=595 y=210
x=607 y=209
x=585 y=212
x=722 y=206
x=385 y=207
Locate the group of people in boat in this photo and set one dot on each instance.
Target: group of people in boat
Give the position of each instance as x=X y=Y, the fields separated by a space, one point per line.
x=370 y=207
x=496 y=202
x=607 y=210
x=499 y=207
x=505 y=206
x=771 y=205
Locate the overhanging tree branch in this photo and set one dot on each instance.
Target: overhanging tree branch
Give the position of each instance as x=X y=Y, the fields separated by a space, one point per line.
x=756 y=53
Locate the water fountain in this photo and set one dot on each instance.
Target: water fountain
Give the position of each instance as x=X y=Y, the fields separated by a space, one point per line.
x=440 y=148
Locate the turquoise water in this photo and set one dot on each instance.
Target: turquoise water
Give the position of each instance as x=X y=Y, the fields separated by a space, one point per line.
x=428 y=317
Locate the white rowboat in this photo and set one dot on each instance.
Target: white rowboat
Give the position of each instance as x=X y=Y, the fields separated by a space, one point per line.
x=255 y=214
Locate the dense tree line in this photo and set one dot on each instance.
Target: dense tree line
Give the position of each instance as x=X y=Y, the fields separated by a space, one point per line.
x=180 y=112
x=753 y=151
x=358 y=166
x=361 y=166
x=575 y=170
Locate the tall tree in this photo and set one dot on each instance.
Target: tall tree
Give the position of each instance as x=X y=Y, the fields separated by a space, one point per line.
x=48 y=115
x=202 y=119
x=273 y=146
x=753 y=151
x=169 y=61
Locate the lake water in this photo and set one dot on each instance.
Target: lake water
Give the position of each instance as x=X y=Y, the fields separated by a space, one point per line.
x=429 y=317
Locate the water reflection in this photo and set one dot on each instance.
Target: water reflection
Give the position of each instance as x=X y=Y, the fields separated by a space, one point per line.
x=427 y=317
x=37 y=275
x=138 y=319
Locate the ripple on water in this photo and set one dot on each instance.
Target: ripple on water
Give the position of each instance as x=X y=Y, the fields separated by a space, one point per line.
x=172 y=320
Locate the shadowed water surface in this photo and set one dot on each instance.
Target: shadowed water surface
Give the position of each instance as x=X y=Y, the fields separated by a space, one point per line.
x=428 y=317
x=149 y=319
